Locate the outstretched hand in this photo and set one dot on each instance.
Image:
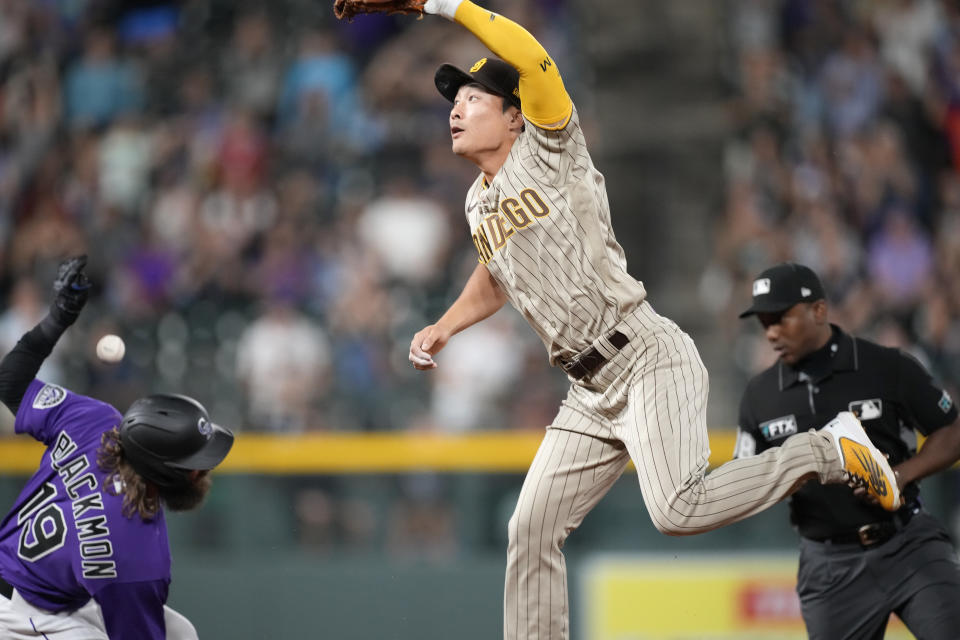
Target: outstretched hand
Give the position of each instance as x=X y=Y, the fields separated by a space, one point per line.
x=425 y=344
x=71 y=290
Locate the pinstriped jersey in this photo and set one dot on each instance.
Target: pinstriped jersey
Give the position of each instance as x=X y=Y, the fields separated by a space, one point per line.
x=542 y=228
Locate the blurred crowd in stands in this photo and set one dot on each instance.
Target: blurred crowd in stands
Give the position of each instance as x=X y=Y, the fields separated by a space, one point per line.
x=269 y=203
x=272 y=210
x=845 y=156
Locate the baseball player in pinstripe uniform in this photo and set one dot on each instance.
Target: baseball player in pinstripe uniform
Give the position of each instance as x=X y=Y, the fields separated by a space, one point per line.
x=540 y=222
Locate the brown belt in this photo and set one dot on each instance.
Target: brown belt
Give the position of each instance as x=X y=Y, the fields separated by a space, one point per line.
x=587 y=362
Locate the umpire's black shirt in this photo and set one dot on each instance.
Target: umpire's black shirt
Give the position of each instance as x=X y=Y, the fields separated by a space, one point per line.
x=889 y=391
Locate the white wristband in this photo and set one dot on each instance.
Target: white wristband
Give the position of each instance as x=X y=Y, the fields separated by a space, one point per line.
x=445 y=8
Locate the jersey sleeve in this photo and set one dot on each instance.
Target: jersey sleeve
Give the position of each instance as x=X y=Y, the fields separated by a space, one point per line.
x=554 y=155
x=47 y=409
x=928 y=405
x=41 y=410
x=746 y=444
x=543 y=97
x=748 y=441
x=134 y=609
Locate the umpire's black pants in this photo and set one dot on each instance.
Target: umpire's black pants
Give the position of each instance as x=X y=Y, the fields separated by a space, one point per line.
x=848 y=592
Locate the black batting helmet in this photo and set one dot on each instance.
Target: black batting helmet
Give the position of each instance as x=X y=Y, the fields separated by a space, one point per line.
x=164 y=436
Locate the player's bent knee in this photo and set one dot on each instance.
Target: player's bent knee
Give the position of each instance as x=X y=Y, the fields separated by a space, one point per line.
x=685 y=527
x=672 y=528
x=524 y=531
x=513 y=530
x=672 y=531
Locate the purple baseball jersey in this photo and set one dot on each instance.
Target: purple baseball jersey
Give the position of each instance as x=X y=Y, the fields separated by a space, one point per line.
x=66 y=539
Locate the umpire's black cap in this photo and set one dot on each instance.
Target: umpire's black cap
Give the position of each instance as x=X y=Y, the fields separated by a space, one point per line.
x=493 y=74
x=782 y=286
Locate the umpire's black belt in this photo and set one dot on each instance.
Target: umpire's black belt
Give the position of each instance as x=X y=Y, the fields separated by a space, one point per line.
x=874 y=533
x=6 y=589
x=587 y=362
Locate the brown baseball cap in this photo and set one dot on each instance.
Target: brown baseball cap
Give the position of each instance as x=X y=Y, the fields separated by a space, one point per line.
x=493 y=74
x=782 y=286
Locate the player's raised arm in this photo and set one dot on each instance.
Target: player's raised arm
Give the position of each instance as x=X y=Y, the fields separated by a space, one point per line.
x=544 y=98
x=19 y=367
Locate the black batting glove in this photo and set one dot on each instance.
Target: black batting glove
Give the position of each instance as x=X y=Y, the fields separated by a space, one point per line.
x=71 y=289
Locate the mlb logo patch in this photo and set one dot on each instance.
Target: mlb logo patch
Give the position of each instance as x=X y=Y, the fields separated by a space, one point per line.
x=50 y=396
x=761 y=286
x=867 y=409
x=778 y=427
x=946 y=402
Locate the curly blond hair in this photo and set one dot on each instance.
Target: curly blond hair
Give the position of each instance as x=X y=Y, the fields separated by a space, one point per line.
x=139 y=497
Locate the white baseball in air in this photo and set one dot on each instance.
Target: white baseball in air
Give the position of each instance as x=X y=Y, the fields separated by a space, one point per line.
x=110 y=348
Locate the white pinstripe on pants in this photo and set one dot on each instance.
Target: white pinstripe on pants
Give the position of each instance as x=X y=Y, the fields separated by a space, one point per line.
x=648 y=404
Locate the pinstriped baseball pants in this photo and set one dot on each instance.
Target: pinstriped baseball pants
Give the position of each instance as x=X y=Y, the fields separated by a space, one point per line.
x=647 y=404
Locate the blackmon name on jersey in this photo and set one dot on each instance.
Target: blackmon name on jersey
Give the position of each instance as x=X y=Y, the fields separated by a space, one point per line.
x=43 y=522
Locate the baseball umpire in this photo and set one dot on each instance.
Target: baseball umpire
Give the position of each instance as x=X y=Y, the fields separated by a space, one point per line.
x=540 y=221
x=84 y=551
x=858 y=562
